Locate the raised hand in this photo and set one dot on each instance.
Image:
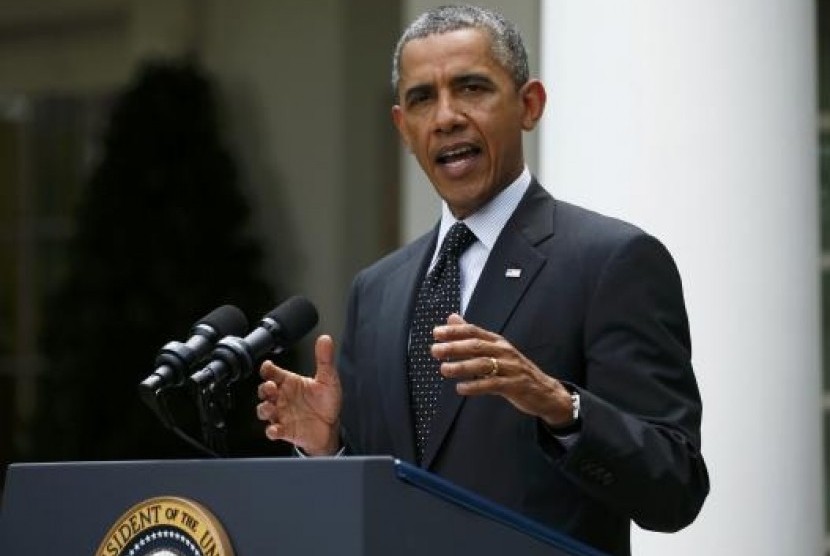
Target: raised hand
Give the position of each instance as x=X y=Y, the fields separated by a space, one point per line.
x=301 y=410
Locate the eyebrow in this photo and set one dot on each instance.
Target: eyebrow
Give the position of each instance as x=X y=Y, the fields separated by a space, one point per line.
x=457 y=81
x=471 y=78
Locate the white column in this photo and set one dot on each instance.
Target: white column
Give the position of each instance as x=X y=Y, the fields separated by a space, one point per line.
x=696 y=121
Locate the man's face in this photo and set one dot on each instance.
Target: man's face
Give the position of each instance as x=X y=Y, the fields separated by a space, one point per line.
x=460 y=114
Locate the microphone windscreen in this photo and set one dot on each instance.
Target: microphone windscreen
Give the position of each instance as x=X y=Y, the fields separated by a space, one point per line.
x=227 y=320
x=296 y=317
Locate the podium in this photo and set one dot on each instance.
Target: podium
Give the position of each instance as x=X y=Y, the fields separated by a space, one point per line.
x=367 y=506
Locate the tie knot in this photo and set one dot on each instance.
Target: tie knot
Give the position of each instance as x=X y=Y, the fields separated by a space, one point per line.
x=458 y=238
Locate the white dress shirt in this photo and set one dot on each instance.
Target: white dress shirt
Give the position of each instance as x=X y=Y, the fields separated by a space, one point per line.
x=486 y=223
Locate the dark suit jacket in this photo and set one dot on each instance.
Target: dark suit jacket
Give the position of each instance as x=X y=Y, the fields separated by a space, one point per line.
x=598 y=305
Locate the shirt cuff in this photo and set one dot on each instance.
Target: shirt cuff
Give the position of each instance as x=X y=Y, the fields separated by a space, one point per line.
x=300 y=454
x=567 y=440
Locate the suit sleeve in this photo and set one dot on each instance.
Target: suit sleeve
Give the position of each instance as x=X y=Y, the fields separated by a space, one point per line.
x=639 y=447
x=346 y=369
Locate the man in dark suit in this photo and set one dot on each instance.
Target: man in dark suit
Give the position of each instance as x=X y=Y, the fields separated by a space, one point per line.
x=565 y=391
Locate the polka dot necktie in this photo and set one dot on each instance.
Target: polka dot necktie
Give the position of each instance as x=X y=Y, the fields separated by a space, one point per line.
x=439 y=295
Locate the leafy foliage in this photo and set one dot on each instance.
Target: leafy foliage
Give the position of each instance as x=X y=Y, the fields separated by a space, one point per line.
x=161 y=240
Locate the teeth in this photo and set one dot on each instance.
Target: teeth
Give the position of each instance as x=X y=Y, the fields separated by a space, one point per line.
x=455 y=153
x=458 y=152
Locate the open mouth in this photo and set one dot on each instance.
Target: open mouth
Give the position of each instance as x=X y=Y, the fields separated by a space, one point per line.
x=456 y=154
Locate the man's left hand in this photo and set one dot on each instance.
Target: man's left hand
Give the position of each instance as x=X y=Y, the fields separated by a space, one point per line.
x=485 y=363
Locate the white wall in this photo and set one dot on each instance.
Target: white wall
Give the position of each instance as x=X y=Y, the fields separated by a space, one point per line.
x=284 y=121
x=306 y=89
x=696 y=120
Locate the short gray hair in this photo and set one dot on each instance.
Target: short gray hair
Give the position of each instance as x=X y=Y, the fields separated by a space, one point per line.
x=506 y=42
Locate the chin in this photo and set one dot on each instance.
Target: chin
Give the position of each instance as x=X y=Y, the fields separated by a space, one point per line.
x=462 y=208
x=465 y=196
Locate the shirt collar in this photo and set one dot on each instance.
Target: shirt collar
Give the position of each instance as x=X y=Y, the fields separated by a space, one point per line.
x=488 y=221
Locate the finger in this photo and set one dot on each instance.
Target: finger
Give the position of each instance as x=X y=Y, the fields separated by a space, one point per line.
x=265 y=411
x=471 y=369
x=276 y=431
x=480 y=386
x=455 y=318
x=269 y=371
x=465 y=349
x=267 y=391
x=326 y=372
x=458 y=329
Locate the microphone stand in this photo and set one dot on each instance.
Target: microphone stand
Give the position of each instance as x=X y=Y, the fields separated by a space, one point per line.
x=156 y=400
x=212 y=384
x=213 y=398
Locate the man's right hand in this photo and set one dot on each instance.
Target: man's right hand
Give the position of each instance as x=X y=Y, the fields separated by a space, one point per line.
x=301 y=410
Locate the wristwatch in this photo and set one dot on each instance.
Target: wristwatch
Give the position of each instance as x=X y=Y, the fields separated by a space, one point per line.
x=575 y=405
x=576 y=420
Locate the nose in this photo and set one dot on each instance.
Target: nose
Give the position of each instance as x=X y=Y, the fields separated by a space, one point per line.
x=448 y=117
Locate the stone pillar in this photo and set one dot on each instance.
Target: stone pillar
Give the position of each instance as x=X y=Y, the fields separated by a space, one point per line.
x=697 y=121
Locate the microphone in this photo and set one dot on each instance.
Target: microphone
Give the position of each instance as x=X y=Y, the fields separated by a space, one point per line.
x=176 y=358
x=234 y=357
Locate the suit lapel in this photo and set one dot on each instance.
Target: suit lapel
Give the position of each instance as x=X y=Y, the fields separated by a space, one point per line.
x=497 y=295
x=392 y=344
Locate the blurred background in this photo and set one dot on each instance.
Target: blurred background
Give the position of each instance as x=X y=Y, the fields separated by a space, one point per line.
x=159 y=158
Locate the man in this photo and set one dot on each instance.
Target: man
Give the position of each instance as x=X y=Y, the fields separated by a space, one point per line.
x=565 y=390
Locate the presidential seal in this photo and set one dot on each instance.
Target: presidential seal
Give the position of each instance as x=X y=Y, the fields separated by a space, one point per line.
x=166 y=526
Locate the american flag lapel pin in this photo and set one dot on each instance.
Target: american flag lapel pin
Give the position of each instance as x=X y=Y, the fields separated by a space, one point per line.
x=513 y=273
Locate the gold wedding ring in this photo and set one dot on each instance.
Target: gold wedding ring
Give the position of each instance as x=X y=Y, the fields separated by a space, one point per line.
x=495 y=370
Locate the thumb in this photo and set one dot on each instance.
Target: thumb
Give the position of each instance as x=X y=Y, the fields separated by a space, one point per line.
x=326 y=372
x=455 y=318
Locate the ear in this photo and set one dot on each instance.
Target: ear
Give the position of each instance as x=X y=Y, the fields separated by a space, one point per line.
x=397 y=118
x=533 y=97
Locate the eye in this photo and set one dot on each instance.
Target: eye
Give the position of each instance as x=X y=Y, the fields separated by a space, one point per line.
x=417 y=96
x=414 y=100
x=473 y=86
